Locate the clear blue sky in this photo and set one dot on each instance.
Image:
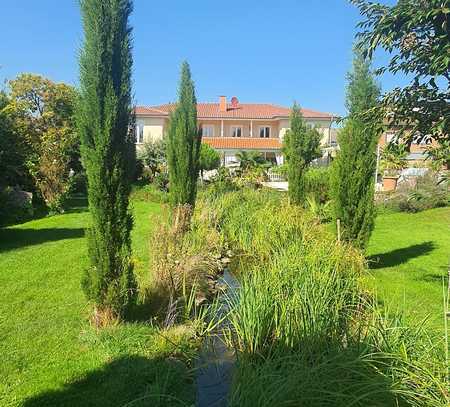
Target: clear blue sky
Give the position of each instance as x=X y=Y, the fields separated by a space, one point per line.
x=257 y=50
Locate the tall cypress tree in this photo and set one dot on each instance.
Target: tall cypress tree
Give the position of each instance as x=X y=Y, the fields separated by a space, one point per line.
x=184 y=140
x=354 y=167
x=300 y=147
x=108 y=152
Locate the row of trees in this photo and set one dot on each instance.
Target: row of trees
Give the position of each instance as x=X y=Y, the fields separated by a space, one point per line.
x=353 y=171
x=416 y=33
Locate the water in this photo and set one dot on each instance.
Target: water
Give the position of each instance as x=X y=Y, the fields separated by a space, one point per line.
x=216 y=361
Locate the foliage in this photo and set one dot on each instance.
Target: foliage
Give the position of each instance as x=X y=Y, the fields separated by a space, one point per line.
x=184 y=140
x=105 y=125
x=416 y=34
x=320 y=210
x=12 y=208
x=13 y=150
x=185 y=261
x=44 y=117
x=354 y=168
x=393 y=158
x=301 y=323
x=209 y=158
x=440 y=155
x=250 y=159
x=317 y=184
x=420 y=193
x=301 y=145
x=153 y=155
x=222 y=182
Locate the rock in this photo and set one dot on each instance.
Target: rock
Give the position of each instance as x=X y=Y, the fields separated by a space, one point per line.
x=225 y=260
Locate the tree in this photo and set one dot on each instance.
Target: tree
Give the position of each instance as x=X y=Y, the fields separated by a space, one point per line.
x=44 y=120
x=301 y=145
x=13 y=170
x=184 y=140
x=105 y=123
x=417 y=35
x=354 y=167
x=209 y=158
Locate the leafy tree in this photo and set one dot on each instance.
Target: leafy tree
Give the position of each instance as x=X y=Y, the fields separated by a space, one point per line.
x=209 y=158
x=105 y=122
x=184 y=140
x=13 y=170
x=44 y=120
x=417 y=35
x=301 y=145
x=354 y=167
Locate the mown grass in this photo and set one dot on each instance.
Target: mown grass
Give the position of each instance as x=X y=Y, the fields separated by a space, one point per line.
x=409 y=254
x=50 y=354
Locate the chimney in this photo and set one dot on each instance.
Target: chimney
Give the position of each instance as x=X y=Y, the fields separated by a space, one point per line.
x=222 y=103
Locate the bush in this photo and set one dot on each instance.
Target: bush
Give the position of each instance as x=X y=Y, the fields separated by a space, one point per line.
x=14 y=206
x=185 y=261
x=317 y=184
x=425 y=192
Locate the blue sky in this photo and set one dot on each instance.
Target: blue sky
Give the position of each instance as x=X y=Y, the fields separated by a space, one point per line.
x=260 y=51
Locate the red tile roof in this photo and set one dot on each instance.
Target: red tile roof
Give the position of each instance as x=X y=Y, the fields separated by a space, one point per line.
x=241 y=143
x=242 y=111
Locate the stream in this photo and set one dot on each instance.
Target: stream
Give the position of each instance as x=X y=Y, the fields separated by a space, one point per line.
x=216 y=362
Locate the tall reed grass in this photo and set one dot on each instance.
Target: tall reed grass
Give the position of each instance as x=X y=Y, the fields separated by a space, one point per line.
x=305 y=331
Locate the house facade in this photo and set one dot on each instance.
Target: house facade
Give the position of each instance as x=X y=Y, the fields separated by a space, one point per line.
x=230 y=126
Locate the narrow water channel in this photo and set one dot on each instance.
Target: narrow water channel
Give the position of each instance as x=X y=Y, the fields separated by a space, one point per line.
x=216 y=362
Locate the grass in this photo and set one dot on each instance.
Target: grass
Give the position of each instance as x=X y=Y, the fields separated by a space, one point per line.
x=50 y=354
x=303 y=326
x=409 y=256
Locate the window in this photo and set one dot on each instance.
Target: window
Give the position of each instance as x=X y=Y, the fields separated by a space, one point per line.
x=139 y=133
x=207 y=130
x=264 y=132
x=236 y=131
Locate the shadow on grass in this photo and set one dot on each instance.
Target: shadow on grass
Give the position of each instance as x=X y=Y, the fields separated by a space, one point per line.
x=11 y=239
x=400 y=256
x=127 y=381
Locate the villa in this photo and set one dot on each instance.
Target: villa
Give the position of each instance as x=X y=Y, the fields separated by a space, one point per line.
x=230 y=127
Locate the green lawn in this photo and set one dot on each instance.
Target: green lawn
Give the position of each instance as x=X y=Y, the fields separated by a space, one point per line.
x=50 y=356
x=410 y=254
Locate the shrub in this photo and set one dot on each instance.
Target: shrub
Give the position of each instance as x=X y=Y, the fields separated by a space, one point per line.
x=13 y=207
x=153 y=157
x=425 y=192
x=185 y=260
x=317 y=184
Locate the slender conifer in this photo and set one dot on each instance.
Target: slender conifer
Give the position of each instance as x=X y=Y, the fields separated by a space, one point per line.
x=354 y=167
x=184 y=140
x=105 y=122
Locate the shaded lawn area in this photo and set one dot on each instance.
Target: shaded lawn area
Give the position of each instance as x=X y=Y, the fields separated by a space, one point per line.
x=409 y=254
x=50 y=356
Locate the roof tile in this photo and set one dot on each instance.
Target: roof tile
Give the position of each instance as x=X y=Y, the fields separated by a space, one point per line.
x=242 y=111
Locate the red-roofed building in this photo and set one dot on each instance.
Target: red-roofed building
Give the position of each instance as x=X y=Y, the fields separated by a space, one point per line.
x=232 y=127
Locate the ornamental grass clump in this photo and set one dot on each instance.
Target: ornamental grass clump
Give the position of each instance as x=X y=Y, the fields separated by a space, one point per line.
x=304 y=330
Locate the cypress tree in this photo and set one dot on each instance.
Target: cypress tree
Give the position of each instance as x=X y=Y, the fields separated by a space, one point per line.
x=184 y=140
x=300 y=147
x=105 y=122
x=354 y=168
